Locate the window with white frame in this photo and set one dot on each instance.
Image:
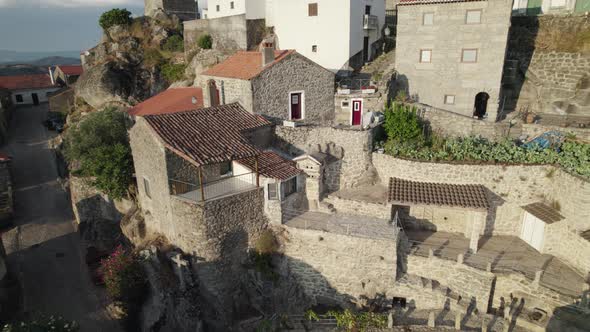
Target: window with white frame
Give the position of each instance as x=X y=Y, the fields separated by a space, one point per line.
x=426 y=56
x=231 y=5
x=428 y=19
x=450 y=99
x=146 y=188
x=272 y=190
x=469 y=55
x=558 y=3
x=314 y=48
x=217 y=8
x=473 y=16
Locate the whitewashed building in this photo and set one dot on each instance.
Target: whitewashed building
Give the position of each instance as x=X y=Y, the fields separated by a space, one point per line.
x=337 y=34
x=253 y=9
x=29 y=89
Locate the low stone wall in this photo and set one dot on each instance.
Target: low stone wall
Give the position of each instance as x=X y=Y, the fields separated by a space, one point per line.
x=567 y=244
x=352 y=148
x=362 y=208
x=468 y=282
x=336 y=268
x=519 y=286
x=509 y=188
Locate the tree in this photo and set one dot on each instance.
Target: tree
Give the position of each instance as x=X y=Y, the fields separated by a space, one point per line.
x=173 y=72
x=402 y=123
x=100 y=146
x=205 y=42
x=115 y=16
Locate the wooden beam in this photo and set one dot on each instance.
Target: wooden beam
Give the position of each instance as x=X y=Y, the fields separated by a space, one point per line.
x=201 y=183
x=257 y=173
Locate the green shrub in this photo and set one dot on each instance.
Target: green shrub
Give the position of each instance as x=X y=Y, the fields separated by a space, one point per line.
x=51 y=323
x=114 y=17
x=174 y=44
x=124 y=276
x=205 y=42
x=100 y=146
x=152 y=57
x=173 y=72
x=363 y=321
x=267 y=243
x=402 y=122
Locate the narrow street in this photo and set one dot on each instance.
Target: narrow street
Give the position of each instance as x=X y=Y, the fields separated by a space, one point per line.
x=42 y=245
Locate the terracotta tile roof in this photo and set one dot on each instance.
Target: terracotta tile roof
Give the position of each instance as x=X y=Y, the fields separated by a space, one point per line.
x=170 y=101
x=467 y=196
x=427 y=2
x=72 y=70
x=23 y=82
x=272 y=165
x=544 y=212
x=208 y=135
x=244 y=65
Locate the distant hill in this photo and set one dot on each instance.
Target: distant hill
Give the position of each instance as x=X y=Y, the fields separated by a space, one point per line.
x=54 y=61
x=13 y=57
x=14 y=70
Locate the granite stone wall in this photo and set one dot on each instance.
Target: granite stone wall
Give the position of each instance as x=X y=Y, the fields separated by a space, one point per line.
x=228 y=33
x=446 y=74
x=351 y=150
x=468 y=282
x=337 y=268
x=509 y=188
x=360 y=208
x=6 y=198
x=184 y=9
x=270 y=90
x=230 y=90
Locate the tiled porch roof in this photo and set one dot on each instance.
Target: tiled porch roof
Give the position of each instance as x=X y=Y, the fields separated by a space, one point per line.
x=468 y=196
x=209 y=135
x=273 y=166
x=546 y=213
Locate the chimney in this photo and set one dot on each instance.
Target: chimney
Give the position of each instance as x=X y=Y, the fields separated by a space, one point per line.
x=268 y=53
x=51 y=76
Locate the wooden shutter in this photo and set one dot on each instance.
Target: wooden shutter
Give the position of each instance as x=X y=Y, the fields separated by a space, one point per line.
x=313 y=9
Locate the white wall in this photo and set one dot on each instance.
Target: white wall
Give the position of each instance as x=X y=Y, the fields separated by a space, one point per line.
x=254 y=9
x=27 y=95
x=546 y=8
x=357 y=33
x=329 y=30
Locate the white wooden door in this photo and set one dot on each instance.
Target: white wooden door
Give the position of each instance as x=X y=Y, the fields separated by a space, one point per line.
x=533 y=231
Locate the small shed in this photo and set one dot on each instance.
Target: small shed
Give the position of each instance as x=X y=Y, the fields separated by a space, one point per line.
x=313 y=165
x=536 y=220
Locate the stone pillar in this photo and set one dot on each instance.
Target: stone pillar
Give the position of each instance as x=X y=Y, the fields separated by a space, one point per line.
x=460 y=259
x=484 y=325
x=431 y=322
x=538 y=276
x=390 y=320
x=457 y=321
x=477 y=226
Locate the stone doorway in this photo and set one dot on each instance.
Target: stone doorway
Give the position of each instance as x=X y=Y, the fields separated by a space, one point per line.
x=481 y=105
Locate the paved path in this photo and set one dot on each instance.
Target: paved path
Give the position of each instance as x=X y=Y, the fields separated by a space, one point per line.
x=44 y=247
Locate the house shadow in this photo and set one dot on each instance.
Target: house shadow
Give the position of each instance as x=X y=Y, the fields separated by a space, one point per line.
x=573 y=317
x=495 y=202
x=520 y=50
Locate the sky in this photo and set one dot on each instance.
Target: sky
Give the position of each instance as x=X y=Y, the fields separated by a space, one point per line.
x=55 y=25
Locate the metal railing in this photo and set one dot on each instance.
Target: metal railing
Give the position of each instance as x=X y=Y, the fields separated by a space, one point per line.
x=353 y=84
x=370 y=22
x=213 y=189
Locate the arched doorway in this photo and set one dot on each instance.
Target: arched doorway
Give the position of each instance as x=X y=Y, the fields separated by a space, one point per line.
x=481 y=105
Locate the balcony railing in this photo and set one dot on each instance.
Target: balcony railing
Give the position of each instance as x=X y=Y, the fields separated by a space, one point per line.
x=214 y=189
x=370 y=22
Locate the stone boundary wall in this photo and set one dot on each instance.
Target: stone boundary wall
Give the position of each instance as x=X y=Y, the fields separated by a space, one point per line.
x=337 y=268
x=352 y=148
x=509 y=188
x=362 y=208
x=519 y=286
x=466 y=281
x=534 y=130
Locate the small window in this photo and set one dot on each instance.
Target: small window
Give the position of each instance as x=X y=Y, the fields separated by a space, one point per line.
x=469 y=55
x=312 y=9
x=428 y=19
x=314 y=48
x=473 y=17
x=449 y=99
x=558 y=3
x=231 y=5
x=290 y=186
x=19 y=98
x=367 y=10
x=272 y=192
x=225 y=168
x=345 y=104
x=146 y=188
x=217 y=8
x=425 y=56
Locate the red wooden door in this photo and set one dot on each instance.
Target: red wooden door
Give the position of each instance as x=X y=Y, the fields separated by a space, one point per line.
x=357 y=112
x=295 y=106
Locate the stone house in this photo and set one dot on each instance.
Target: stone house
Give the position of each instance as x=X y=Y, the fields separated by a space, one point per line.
x=184 y=9
x=66 y=75
x=450 y=55
x=28 y=89
x=550 y=7
x=280 y=85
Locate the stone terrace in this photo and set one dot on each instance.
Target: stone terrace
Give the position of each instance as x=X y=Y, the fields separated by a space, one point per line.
x=505 y=253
